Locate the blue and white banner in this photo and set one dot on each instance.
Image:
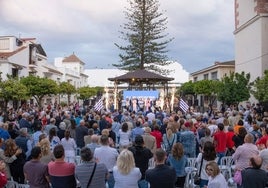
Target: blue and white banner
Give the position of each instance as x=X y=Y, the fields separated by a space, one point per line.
x=152 y=94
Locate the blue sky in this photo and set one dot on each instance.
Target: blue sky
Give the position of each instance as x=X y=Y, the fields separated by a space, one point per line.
x=202 y=29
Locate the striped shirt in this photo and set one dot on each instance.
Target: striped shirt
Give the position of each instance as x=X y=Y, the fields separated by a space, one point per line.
x=84 y=170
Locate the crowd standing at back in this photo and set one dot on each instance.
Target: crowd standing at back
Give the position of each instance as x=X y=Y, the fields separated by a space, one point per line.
x=151 y=140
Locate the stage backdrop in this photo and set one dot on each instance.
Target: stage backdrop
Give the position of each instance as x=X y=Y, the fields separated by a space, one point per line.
x=153 y=95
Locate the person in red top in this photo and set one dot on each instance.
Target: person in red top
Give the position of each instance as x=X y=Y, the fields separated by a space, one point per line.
x=262 y=142
x=229 y=141
x=220 y=142
x=158 y=136
x=3 y=177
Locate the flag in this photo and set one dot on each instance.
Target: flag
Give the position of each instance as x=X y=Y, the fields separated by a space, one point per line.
x=183 y=105
x=99 y=105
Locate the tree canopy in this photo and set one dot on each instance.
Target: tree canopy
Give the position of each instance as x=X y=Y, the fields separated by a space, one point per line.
x=145 y=34
x=12 y=89
x=67 y=88
x=39 y=87
x=231 y=89
x=260 y=88
x=234 y=88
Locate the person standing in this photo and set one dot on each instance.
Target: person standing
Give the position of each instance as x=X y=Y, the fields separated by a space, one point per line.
x=149 y=140
x=23 y=141
x=178 y=161
x=69 y=146
x=107 y=155
x=138 y=130
x=220 y=142
x=142 y=155
x=3 y=177
x=244 y=152
x=80 y=132
x=253 y=176
x=60 y=172
x=94 y=143
x=187 y=138
x=162 y=176
x=35 y=171
x=84 y=171
x=125 y=173
x=158 y=136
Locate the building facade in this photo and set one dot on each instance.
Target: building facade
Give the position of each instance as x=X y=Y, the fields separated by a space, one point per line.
x=251 y=37
x=214 y=72
x=21 y=57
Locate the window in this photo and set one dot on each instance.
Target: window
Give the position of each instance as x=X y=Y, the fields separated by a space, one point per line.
x=205 y=76
x=4 y=44
x=15 y=72
x=214 y=75
x=195 y=79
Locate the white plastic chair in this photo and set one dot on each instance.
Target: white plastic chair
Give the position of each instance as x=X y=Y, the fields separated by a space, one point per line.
x=77 y=151
x=151 y=163
x=78 y=160
x=190 y=170
x=226 y=164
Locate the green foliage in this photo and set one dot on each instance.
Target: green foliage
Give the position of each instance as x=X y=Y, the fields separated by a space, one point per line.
x=207 y=88
x=234 y=88
x=39 y=87
x=66 y=88
x=12 y=89
x=260 y=88
x=187 y=88
x=144 y=33
x=87 y=92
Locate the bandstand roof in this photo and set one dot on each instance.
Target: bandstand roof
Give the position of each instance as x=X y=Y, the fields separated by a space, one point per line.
x=140 y=76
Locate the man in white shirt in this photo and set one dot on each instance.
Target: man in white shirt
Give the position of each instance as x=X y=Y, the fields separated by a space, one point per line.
x=107 y=155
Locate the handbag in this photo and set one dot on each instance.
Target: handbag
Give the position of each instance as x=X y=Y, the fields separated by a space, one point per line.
x=238 y=177
x=90 y=179
x=197 y=178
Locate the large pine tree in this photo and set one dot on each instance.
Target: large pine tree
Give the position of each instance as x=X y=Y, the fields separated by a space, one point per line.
x=145 y=34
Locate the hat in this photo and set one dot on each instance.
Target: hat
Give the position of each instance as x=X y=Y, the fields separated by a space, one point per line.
x=187 y=124
x=139 y=140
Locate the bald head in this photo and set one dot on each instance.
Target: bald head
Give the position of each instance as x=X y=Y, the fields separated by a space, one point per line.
x=256 y=161
x=249 y=138
x=95 y=138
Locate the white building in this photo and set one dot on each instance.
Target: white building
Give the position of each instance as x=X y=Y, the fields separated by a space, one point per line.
x=73 y=70
x=251 y=37
x=99 y=77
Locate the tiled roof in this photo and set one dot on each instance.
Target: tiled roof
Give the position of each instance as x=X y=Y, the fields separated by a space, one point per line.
x=141 y=76
x=5 y=55
x=72 y=58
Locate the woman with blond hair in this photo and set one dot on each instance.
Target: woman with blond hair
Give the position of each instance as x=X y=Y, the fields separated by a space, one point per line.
x=178 y=161
x=125 y=173
x=47 y=155
x=216 y=179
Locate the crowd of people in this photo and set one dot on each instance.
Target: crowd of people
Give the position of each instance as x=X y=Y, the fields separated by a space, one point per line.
x=73 y=147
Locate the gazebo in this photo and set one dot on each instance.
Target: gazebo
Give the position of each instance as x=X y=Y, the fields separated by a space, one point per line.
x=141 y=80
